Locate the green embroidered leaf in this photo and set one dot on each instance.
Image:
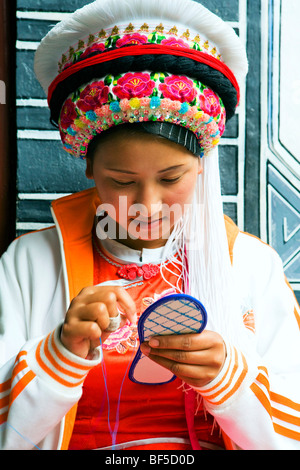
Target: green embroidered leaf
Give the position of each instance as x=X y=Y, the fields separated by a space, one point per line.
x=108 y=80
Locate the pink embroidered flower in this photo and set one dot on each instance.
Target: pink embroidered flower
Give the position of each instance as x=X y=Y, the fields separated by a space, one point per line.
x=131 y=39
x=94 y=48
x=125 y=105
x=174 y=42
x=192 y=111
x=212 y=128
x=145 y=102
x=103 y=111
x=178 y=88
x=209 y=103
x=93 y=96
x=122 y=339
x=68 y=114
x=134 y=85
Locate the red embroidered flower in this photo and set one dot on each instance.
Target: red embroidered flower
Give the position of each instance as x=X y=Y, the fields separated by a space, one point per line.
x=209 y=103
x=134 y=85
x=130 y=39
x=68 y=114
x=94 y=48
x=174 y=42
x=93 y=96
x=178 y=88
x=132 y=271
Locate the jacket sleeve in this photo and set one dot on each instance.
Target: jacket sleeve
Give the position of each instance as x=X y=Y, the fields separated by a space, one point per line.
x=40 y=380
x=256 y=398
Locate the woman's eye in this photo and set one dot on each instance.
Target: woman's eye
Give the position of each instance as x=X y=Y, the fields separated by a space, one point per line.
x=123 y=183
x=171 y=180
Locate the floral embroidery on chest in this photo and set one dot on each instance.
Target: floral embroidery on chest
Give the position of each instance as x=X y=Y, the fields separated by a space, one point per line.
x=126 y=337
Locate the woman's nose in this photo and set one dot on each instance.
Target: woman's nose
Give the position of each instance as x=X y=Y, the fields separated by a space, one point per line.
x=149 y=200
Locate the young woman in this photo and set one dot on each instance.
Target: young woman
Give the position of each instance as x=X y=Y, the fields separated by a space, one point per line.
x=145 y=102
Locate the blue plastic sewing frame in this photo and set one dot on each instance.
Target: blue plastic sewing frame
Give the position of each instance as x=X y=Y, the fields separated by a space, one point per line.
x=170 y=315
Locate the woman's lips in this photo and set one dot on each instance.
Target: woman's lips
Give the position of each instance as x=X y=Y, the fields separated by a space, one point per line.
x=150 y=226
x=149 y=223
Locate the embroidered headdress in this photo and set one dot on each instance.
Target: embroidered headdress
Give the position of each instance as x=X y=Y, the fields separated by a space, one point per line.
x=114 y=62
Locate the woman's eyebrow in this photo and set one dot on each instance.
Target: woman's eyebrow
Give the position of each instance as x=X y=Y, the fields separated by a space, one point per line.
x=120 y=170
x=174 y=167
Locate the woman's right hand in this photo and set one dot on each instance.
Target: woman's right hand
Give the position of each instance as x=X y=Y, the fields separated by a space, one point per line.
x=89 y=315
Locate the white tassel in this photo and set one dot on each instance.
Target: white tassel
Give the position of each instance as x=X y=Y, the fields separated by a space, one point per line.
x=200 y=240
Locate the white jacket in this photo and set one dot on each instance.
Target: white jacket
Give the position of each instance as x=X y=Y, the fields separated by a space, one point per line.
x=255 y=402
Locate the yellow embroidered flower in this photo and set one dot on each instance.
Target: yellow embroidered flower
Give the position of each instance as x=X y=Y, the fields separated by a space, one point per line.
x=79 y=123
x=135 y=103
x=198 y=115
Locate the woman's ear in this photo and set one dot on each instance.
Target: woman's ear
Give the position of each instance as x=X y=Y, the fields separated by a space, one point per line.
x=200 y=167
x=89 y=169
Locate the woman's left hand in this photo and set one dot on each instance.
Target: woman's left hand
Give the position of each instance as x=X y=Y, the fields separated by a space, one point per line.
x=194 y=358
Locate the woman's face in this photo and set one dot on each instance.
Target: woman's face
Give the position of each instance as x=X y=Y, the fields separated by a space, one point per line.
x=144 y=183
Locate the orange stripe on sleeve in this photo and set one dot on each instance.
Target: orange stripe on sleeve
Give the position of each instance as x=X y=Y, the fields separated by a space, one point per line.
x=51 y=373
x=237 y=383
x=281 y=400
x=4 y=401
x=262 y=398
x=275 y=413
x=287 y=432
x=285 y=417
x=18 y=368
x=65 y=360
x=55 y=364
x=233 y=372
x=3 y=418
x=19 y=387
x=5 y=386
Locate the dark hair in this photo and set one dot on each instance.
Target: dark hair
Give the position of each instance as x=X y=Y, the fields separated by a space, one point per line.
x=161 y=130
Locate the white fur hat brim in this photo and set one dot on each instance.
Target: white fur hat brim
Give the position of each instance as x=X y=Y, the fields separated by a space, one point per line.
x=102 y=14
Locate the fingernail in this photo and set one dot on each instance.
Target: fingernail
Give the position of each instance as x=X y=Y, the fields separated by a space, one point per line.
x=154 y=342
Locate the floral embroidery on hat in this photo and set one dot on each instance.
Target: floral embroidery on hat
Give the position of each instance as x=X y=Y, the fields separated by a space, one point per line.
x=99 y=47
x=178 y=88
x=130 y=35
x=209 y=103
x=133 y=85
x=92 y=96
x=68 y=114
x=131 y=39
x=141 y=97
x=174 y=42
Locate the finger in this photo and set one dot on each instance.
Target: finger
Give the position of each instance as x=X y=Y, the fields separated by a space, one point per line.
x=79 y=331
x=110 y=295
x=187 y=342
x=178 y=369
x=127 y=303
x=194 y=375
x=95 y=312
x=179 y=355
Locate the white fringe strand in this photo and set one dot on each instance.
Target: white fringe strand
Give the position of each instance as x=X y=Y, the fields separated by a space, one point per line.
x=201 y=241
